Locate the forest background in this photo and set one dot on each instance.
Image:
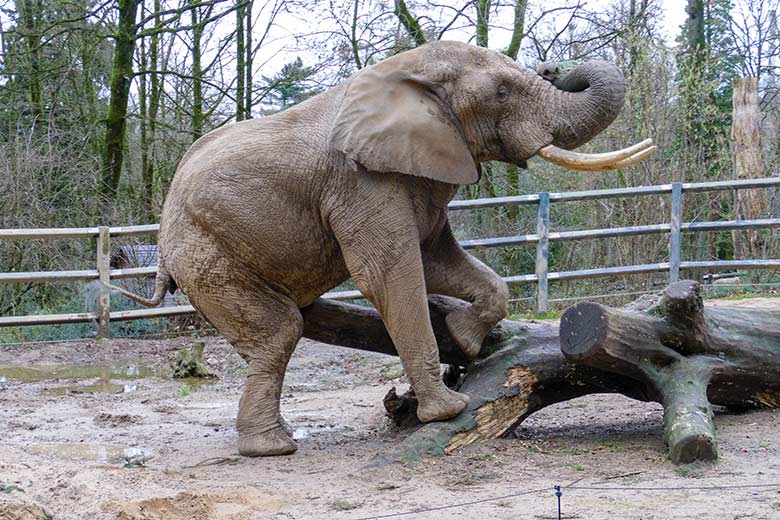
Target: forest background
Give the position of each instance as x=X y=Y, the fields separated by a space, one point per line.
x=99 y=99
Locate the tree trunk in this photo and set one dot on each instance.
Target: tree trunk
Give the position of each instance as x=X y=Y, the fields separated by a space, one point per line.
x=746 y=147
x=354 y=44
x=240 y=59
x=30 y=13
x=147 y=167
x=197 y=73
x=727 y=357
x=248 y=62
x=517 y=29
x=694 y=25
x=143 y=103
x=483 y=21
x=410 y=23
x=116 y=119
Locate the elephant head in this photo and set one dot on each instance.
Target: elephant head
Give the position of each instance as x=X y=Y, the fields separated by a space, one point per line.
x=441 y=109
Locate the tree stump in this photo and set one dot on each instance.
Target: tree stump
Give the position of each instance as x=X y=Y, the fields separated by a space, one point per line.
x=672 y=351
x=189 y=363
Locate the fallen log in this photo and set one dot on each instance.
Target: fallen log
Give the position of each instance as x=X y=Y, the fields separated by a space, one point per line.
x=686 y=355
x=521 y=367
x=519 y=370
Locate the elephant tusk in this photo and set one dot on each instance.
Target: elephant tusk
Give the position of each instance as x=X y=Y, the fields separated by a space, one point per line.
x=598 y=161
x=637 y=157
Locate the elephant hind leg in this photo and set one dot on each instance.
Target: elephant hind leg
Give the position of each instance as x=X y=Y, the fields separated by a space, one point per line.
x=451 y=271
x=264 y=327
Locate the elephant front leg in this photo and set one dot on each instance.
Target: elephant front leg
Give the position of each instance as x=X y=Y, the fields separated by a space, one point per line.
x=386 y=266
x=451 y=271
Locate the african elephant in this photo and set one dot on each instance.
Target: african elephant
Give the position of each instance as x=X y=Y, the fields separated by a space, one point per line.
x=265 y=215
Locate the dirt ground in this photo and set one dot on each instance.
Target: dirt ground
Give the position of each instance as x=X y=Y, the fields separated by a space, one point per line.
x=98 y=430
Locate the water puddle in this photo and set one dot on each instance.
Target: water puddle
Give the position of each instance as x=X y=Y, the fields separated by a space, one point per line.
x=107 y=372
x=313 y=431
x=101 y=386
x=99 y=453
x=109 y=379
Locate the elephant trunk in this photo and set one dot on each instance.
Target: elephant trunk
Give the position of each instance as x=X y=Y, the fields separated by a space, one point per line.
x=588 y=99
x=584 y=102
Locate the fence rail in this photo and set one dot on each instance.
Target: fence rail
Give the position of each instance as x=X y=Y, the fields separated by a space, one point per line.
x=541 y=238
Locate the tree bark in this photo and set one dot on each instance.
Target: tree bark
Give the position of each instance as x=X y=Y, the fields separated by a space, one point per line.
x=147 y=164
x=116 y=118
x=695 y=25
x=517 y=29
x=240 y=60
x=746 y=147
x=30 y=13
x=143 y=109
x=248 y=62
x=674 y=352
x=410 y=23
x=353 y=37
x=688 y=355
x=483 y=21
x=197 y=72
x=519 y=370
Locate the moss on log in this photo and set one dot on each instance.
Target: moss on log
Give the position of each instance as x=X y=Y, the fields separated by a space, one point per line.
x=672 y=351
x=685 y=355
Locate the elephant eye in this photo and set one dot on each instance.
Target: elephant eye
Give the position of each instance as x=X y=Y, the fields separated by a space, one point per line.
x=502 y=93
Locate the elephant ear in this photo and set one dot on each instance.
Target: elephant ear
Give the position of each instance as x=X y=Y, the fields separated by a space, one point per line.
x=391 y=120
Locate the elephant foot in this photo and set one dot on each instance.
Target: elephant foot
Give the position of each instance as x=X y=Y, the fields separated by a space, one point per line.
x=467 y=331
x=441 y=405
x=266 y=444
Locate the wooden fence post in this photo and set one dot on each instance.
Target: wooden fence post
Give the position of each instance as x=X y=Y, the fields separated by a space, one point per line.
x=542 y=252
x=675 y=238
x=104 y=275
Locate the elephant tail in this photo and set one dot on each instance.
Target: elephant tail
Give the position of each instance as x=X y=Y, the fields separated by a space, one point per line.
x=162 y=283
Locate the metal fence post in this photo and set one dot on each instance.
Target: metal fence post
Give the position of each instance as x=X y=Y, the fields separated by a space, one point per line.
x=542 y=251
x=675 y=238
x=104 y=274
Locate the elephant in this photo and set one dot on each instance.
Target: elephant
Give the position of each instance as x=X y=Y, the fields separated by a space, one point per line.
x=264 y=216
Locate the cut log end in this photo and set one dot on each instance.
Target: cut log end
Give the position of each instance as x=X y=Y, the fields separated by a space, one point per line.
x=583 y=330
x=693 y=447
x=685 y=296
x=682 y=307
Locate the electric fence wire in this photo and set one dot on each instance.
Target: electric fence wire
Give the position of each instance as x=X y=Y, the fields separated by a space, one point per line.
x=556 y=489
x=450 y=506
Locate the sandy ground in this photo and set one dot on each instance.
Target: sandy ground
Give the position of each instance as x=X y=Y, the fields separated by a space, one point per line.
x=98 y=431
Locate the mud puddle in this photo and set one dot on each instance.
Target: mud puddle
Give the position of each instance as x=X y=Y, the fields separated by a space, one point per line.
x=128 y=371
x=108 y=379
x=99 y=453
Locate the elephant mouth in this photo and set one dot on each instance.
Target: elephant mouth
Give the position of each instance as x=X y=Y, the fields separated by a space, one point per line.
x=598 y=162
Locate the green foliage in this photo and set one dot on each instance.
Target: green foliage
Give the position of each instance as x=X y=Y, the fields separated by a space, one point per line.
x=290 y=86
x=706 y=67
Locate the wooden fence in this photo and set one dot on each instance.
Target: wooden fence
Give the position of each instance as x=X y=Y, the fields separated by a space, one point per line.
x=542 y=238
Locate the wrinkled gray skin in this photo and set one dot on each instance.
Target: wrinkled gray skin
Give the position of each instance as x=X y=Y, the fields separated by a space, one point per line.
x=264 y=216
